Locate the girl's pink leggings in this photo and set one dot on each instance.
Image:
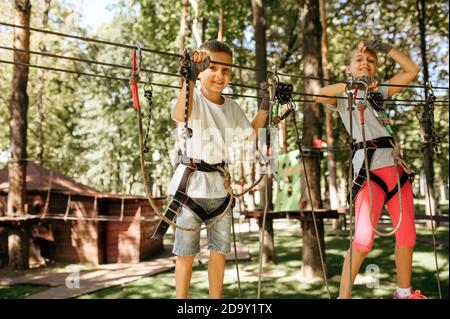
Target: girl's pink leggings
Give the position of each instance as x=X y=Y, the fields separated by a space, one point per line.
x=364 y=234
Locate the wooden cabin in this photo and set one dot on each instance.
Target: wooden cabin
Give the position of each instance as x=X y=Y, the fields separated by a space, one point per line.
x=80 y=224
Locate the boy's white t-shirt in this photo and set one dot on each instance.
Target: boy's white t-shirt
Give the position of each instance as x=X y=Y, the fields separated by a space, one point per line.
x=214 y=128
x=373 y=129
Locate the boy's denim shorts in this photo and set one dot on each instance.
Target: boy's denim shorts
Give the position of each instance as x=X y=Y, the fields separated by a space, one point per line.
x=187 y=243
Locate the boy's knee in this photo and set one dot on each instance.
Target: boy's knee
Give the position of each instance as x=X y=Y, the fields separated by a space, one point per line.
x=185 y=260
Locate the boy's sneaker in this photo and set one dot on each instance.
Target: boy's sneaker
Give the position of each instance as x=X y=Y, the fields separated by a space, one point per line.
x=416 y=294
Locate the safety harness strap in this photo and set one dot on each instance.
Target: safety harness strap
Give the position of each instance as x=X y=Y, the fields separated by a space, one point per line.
x=181 y=198
x=358 y=182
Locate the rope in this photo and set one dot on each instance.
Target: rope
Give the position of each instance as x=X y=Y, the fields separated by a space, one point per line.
x=433 y=141
x=66 y=214
x=178 y=55
x=350 y=110
x=299 y=144
x=263 y=228
x=236 y=258
x=174 y=86
x=361 y=108
x=434 y=242
x=47 y=200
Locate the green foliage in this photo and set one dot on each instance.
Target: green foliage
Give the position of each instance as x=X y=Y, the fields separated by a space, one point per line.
x=89 y=124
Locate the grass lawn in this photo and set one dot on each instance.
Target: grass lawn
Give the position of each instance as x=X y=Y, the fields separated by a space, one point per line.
x=19 y=291
x=281 y=280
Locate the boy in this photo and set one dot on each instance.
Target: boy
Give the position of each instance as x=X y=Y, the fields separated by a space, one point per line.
x=210 y=115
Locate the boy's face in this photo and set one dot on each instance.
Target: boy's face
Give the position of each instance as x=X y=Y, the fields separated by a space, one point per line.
x=362 y=63
x=217 y=76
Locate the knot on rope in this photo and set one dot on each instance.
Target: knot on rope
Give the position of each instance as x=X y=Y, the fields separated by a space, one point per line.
x=397 y=156
x=226 y=180
x=134 y=79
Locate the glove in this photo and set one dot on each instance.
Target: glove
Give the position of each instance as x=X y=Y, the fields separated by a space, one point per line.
x=265 y=96
x=190 y=69
x=377 y=46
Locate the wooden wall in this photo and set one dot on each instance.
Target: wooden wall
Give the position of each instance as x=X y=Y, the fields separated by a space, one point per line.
x=94 y=242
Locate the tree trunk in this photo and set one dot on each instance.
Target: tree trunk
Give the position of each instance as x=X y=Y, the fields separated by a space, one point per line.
x=259 y=23
x=18 y=107
x=269 y=244
x=195 y=23
x=426 y=123
x=204 y=27
x=40 y=90
x=183 y=24
x=221 y=33
x=18 y=246
x=312 y=125
x=332 y=188
x=311 y=266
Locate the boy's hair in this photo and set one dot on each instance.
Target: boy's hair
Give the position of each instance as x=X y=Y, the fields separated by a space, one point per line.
x=216 y=46
x=350 y=55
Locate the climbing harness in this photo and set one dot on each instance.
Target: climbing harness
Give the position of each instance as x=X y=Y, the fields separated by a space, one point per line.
x=364 y=173
x=191 y=164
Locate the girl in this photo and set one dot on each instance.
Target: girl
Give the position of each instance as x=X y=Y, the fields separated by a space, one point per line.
x=361 y=64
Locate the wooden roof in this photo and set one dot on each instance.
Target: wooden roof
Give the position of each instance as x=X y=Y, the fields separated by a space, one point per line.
x=38 y=179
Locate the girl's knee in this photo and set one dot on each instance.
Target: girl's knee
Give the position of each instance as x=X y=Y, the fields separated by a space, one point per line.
x=362 y=249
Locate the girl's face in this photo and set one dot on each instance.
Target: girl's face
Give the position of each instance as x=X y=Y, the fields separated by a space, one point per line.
x=362 y=63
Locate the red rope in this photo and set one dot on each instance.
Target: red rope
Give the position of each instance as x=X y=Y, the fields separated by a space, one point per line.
x=134 y=80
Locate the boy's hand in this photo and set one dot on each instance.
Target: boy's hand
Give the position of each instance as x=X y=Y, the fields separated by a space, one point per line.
x=264 y=95
x=377 y=46
x=192 y=66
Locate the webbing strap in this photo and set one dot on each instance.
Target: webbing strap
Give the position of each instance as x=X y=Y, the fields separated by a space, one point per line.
x=180 y=198
x=403 y=179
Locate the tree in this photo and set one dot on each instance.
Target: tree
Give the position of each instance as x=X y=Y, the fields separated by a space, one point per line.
x=328 y=113
x=41 y=89
x=18 y=108
x=312 y=124
x=259 y=23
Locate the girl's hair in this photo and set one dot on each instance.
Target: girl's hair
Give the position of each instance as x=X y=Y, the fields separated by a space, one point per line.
x=350 y=55
x=216 y=46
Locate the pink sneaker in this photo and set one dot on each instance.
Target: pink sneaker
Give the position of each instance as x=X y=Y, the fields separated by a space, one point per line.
x=416 y=294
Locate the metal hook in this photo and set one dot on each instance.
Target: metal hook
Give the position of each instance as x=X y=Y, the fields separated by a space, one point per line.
x=273 y=75
x=366 y=92
x=350 y=87
x=429 y=86
x=148 y=84
x=139 y=57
